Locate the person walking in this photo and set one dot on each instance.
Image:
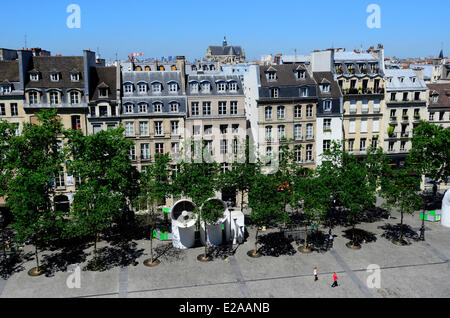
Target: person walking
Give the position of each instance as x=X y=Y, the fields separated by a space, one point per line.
x=330 y=240
x=335 y=278
x=315 y=274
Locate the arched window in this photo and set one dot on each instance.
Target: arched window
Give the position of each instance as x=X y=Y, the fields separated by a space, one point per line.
x=173 y=68
x=138 y=68
x=54 y=97
x=147 y=68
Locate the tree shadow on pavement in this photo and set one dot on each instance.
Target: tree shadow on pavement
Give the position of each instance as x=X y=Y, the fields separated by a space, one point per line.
x=59 y=262
x=13 y=264
x=393 y=232
x=275 y=244
x=115 y=256
x=167 y=253
x=222 y=252
x=360 y=236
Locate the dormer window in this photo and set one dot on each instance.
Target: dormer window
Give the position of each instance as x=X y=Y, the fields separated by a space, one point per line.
x=174 y=107
x=194 y=87
x=303 y=92
x=194 y=68
x=401 y=79
x=142 y=87
x=54 y=98
x=75 y=77
x=156 y=87
x=103 y=92
x=413 y=79
x=271 y=76
x=300 y=74
x=143 y=107
x=5 y=89
x=157 y=107
x=173 y=87
x=221 y=87
x=34 y=77
x=435 y=98
x=233 y=86
x=325 y=88
x=129 y=108
x=390 y=79
x=128 y=88
x=327 y=105
x=274 y=92
x=54 y=77
x=206 y=87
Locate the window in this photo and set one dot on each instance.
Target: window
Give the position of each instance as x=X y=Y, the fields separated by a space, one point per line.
x=327 y=125
x=362 y=144
x=235 y=128
x=365 y=106
x=326 y=145
x=194 y=87
x=298 y=132
x=374 y=142
x=269 y=154
x=222 y=108
x=435 y=98
x=268 y=111
x=157 y=107
x=6 y=89
x=128 y=108
x=221 y=87
x=174 y=128
x=158 y=128
x=351 y=128
x=281 y=132
x=159 y=148
x=391 y=146
x=268 y=133
x=402 y=145
x=298 y=111
x=208 y=146
x=76 y=122
x=143 y=107
x=174 y=107
x=325 y=88
x=17 y=131
x=351 y=143
x=103 y=111
x=309 y=131
x=376 y=106
x=128 y=88
x=33 y=96
x=34 y=77
x=300 y=74
x=74 y=98
x=274 y=92
x=280 y=112
x=233 y=86
x=363 y=126
x=173 y=87
x=196 y=129
x=224 y=167
x=309 y=153
x=156 y=87
x=405 y=97
x=206 y=87
x=103 y=92
x=271 y=75
x=207 y=129
x=298 y=154
x=235 y=146
x=431 y=117
x=309 y=111
x=143 y=128
x=142 y=88
x=206 y=108
x=75 y=77
x=303 y=92
x=59 y=180
x=393 y=97
x=327 y=106
x=54 y=77
x=14 y=110
x=93 y=113
x=97 y=128
x=223 y=146
x=353 y=107
x=133 y=153
x=175 y=147
x=233 y=108
x=145 y=151
x=129 y=129
x=54 y=98
x=417 y=96
x=223 y=129
x=2 y=110
x=194 y=109
x=375 y=125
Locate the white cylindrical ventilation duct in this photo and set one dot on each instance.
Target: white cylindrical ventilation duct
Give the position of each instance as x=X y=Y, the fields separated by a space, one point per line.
x=183 y=224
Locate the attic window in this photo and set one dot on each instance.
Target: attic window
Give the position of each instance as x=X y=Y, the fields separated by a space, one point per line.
x=103 y=92
x=413 y=79
x=75 y=77
x=325 y=88
x=54 y=77
x=5 y=89
x=300 y=74
x=34 y=77
x=401 y=79
x=271 y=75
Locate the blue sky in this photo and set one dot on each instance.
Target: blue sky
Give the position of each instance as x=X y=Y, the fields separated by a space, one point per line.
x=161 y=28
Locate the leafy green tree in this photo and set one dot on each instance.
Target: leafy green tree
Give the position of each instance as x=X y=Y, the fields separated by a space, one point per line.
x=430 y=151
x=267 y=206
x=155 y=187
x=36 y=159
x=103 y=164
x=400 y=189
x=6 y=133
x=212 y=211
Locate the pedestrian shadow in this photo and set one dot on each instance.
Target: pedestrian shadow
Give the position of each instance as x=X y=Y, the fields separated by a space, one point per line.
x=275 y=244
x=115 y=256
x=360 y=236
x=392 y=232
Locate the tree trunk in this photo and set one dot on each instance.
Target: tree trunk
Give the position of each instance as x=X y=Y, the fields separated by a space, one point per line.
x=353 y=233
x=256 y=240
x=95 y=249
x=242 y=201
x=401 y=226
x=206 y=242
x=305 y=245
x=151 y=234
x=37 y=258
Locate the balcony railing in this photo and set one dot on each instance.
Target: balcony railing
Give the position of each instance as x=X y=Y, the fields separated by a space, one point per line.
x=404 y=134
x=361 y=91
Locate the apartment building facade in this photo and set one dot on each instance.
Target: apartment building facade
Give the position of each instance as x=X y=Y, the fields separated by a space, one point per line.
x=439 y=104
x=406 y=105
x=360 y=77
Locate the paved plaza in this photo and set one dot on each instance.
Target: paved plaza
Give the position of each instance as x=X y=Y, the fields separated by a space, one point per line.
x=417 y=270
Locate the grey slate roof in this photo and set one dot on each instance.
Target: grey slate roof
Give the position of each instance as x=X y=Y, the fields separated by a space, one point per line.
x=9 y=70
x=408 y=84
x=286 y=76
x=162 y=77
x=103 y=77
x=327 y=77
x=225 y=50
x=213 y=79
x=64 y=65
x=443 y=90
